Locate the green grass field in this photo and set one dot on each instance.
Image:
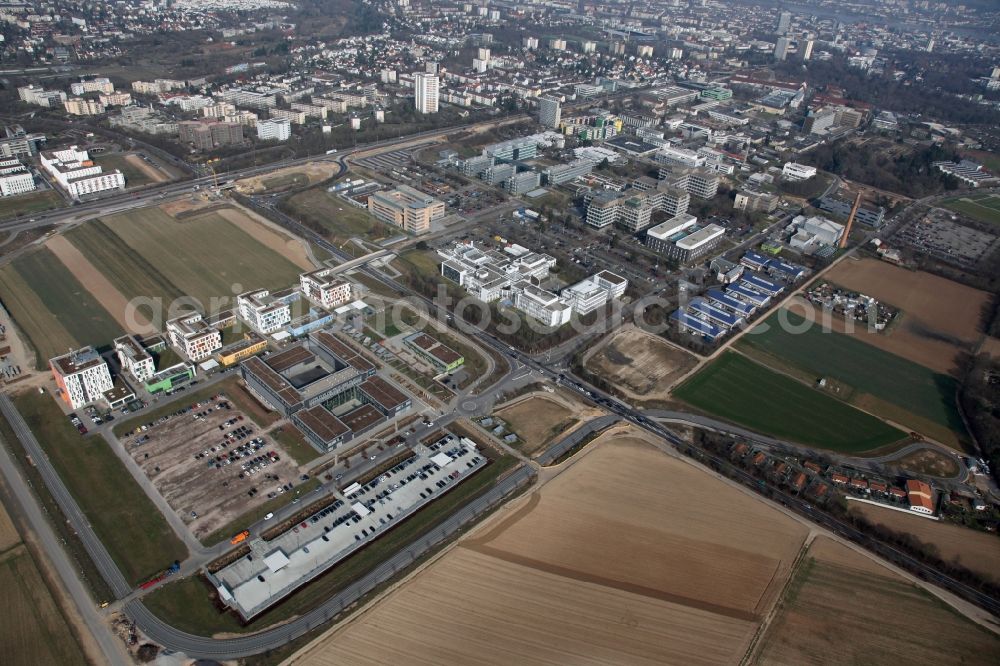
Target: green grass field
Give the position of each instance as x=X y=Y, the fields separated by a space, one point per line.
x=739 y=390
x=33 y=629
x=285 y=182
x=204 y=257
x=341 y=220
x=52 y=307
x=982 y=207
x=124 y=518
x=186 y=605
x=866 y=368
x=26 y=204
x=134 y=176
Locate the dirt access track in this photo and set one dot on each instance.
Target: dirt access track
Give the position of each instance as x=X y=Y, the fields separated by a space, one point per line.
x=142 y=165
x=627 y=556
x=640 y=364
x=314 y=172
x=940 y=318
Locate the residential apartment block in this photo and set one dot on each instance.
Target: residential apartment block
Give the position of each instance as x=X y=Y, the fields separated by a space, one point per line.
x=262 y=311
x=207 y=134
x=325 y=288
x=274 y=129
x=82 y=377
x=426 y=92
x=82 y=106
x=404 y=207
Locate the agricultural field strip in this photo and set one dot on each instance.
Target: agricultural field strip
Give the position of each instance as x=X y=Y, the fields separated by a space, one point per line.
x=206 y=257
x=864 y=367
x=735 y=388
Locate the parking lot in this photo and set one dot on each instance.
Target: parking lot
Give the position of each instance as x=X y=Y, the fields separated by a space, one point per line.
x=211 y=463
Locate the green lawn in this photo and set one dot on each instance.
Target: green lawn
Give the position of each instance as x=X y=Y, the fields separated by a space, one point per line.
x=186 y=604
x=52 y=307
x=738 y=390
x=294 y=443
x=866 y=368
x=340 y=219
x=285 y=182
x=134 y=176
x=123 y=517
x=206 y=257
x=26 y=204
x=982 y=207
x=231 y=387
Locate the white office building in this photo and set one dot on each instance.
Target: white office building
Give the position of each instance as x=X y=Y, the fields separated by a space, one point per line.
x=82 y=377
x=793 y=171
x=325 y=288
x=426 y=89
x=541 y=305
x=134 y=358
x=77 y=174
x=810 y=233
x=263 y=312
x=194 y=336
x=274 y=129
x=15 y=178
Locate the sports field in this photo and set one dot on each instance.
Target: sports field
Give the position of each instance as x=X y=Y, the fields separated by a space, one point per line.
x=843 y=608
x=52 y=307
x=850 y=361
x=204 y=257
x=982 y=207
x=598 y=567
x=736 y=389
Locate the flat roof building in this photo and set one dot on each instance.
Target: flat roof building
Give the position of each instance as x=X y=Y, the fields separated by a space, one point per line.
x=134 y=358
x=406 y=208
x=324 y=288
x=77 y=174
x=194 y=336
x=82 y=377
x=263 y=311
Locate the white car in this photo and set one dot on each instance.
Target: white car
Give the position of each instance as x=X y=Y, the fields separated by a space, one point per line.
x=269 y=516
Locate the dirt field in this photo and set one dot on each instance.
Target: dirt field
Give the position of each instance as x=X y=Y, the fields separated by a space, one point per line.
x=99 y=286
x=940 y=317
x=641 y=364
x=193 y=484
x=315 y=172
x=978 y=551
x=843 y=608
x=539 y=418
x=598 y=567
x=293 y=249
x=152 y=172
x=929 y=461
